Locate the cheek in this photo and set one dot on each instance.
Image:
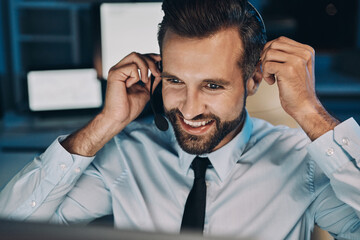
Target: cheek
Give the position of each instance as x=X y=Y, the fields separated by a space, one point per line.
x=172 y=97
x=226 y=107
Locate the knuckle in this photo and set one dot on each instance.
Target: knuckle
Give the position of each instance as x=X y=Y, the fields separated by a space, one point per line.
x=299 y=61
x=134 y=54
x=307 y=55
x=312 y=51
x=266 y=66
x=282 y=38
x=291 y=69
x=112 y=70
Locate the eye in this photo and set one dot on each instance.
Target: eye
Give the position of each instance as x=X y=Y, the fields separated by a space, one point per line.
x=173 y=81
x=213 y=86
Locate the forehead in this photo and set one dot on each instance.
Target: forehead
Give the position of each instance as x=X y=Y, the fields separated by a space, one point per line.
x=216 y=56
x=224 y=45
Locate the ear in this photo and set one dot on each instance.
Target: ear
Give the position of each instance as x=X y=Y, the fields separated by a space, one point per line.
x=252 y=84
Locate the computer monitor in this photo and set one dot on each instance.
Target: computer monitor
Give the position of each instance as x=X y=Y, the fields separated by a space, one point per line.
x=33 y=231
x=128 y=27
x=64 y=89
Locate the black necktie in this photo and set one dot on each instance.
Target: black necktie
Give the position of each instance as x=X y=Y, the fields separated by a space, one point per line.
x=194 y=213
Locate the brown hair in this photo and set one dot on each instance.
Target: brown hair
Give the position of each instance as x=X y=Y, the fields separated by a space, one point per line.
x=202 y=18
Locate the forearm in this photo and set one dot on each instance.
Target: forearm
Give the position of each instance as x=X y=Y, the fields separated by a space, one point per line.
x=90 y=139
x=315 y=121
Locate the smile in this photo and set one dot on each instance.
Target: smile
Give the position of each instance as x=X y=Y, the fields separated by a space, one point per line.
x=196 y=124
x=196 y=127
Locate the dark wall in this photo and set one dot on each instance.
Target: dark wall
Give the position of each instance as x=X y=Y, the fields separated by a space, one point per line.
x=2 y=59
x=329 y=26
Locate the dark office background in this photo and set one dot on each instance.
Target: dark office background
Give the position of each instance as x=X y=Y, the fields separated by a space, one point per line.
x=62 y=34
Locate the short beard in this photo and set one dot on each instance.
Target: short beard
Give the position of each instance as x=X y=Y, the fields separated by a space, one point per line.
x=198 y=145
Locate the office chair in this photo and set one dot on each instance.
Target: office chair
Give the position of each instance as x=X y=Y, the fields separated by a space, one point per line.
x=265 y=104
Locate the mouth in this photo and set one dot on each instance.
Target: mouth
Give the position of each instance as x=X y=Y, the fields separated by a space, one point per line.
x=196 y=127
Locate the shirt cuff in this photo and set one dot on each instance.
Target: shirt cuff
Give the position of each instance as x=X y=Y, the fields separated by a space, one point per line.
x=58 y=163
x=337 y=147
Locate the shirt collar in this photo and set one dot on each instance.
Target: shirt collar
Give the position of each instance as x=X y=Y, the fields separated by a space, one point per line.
x=224 y=159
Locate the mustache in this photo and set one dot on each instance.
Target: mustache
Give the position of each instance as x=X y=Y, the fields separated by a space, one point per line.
x=174 y=112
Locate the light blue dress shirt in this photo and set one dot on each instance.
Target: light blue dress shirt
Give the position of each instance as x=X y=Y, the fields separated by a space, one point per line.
x=267 y=183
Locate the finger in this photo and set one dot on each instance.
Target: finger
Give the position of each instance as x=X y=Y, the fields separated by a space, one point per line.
x=302 y=54
x=139 y=60
x=156 y=57
x=289 y=41
x=290 y=46
x=270 y=69
x=297 y=44
x=273 y=55
x=128 y=74
x=152 y=65
x=290 y=49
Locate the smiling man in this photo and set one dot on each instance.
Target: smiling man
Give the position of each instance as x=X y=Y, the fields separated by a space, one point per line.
x=200 y=77
x=216 y=170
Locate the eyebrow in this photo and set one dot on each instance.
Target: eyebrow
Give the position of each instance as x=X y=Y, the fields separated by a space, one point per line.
x=168 y=75
x=218 y=81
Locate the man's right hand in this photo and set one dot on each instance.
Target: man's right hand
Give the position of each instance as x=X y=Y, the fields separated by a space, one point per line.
x=124 y=101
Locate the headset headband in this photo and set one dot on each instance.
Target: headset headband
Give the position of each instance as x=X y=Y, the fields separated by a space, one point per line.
x=259 y=16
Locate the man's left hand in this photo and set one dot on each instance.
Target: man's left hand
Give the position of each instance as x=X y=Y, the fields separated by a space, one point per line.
x=291 y=65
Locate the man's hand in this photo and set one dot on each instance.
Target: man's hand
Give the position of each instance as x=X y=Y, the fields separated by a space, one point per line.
x=124 y=101
x=291 y=65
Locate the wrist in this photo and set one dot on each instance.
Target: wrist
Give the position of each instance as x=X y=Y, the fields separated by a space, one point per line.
x=90 y=139
x=315 y=120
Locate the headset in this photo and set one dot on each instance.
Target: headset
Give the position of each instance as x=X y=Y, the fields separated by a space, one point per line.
x=160 y=121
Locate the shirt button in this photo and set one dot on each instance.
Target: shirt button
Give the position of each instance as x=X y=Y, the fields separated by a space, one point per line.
x=62 y=166
x=207 y=184
x=33 y=203
x=77 y=170
x=330 y=152
x=345 y=141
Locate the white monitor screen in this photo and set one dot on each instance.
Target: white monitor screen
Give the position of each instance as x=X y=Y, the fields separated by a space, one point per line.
x=64 y=89
x=128 y=27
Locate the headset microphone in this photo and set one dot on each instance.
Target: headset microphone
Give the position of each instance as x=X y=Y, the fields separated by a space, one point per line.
x=160 y=121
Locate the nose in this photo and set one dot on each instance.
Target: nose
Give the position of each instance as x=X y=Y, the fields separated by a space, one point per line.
x=192 y=105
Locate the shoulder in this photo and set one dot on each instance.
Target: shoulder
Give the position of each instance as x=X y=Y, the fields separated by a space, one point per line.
x=138 y=138
x=265 y=131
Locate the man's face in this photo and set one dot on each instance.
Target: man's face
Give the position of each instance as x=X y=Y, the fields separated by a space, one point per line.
x=203 y=89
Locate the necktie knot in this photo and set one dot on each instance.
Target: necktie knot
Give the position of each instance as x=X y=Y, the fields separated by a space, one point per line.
x=199 y=165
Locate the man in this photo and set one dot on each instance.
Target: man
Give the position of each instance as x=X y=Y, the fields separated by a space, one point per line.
x=263 y=181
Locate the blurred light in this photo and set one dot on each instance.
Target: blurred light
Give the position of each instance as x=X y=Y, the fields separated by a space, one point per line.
x=331 y=9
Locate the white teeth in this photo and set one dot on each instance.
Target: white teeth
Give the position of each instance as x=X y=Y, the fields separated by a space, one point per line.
x=196 y=124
